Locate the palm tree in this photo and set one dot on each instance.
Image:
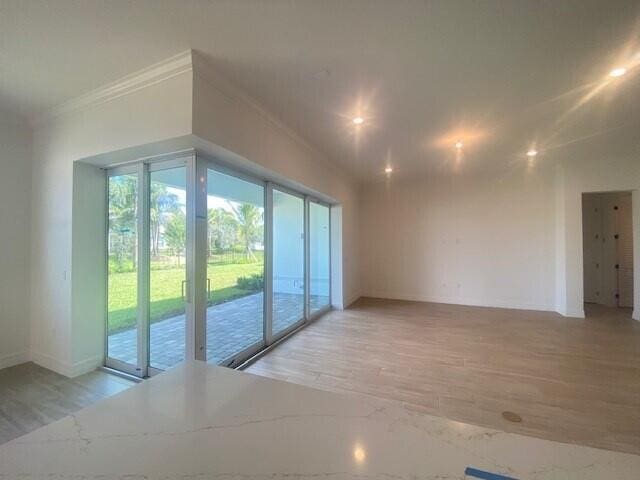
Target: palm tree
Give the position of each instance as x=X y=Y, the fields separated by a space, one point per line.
x=161 y=206
x=249 y=219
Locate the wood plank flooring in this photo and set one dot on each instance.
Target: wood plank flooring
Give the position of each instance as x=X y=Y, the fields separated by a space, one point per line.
x=570 y=380
x=32 y=396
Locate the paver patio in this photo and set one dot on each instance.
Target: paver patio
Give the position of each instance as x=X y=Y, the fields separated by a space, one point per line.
x=231 y=328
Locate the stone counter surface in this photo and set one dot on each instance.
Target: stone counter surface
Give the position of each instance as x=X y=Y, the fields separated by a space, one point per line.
x=199 y=421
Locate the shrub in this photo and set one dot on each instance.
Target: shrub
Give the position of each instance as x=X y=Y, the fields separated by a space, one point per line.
x=254 y=282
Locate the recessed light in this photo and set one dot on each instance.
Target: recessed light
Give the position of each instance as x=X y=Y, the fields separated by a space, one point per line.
x=532 y=153
x=459 y=145
x=618 y=72
x=388 y=170
x=358 y=120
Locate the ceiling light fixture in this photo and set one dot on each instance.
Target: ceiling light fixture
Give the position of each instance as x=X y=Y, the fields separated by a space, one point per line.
x=617 y=72
x=388 y=170
x=532 y=153
x=459 y=145
x=358 y=120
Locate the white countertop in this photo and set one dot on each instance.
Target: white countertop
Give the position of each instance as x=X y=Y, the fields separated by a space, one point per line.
x=199 y=421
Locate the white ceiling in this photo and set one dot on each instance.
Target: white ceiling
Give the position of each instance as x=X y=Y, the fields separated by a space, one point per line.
x=498 y=74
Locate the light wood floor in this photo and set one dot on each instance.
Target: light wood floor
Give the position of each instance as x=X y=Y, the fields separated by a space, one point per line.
x=32 y=396
x=571 y=380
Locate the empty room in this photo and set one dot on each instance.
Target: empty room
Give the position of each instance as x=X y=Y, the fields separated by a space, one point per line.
x=292 y=239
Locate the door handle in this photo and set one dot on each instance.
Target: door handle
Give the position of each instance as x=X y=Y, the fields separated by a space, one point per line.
x=182 y=289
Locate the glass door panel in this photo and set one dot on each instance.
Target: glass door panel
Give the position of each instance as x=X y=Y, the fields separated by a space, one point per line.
x=167 y=267
x=122 y=276
x=235 y=268
x=288 y=261
x=319 y=267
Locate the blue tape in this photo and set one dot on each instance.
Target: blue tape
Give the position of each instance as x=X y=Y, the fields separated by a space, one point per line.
x=475 y=473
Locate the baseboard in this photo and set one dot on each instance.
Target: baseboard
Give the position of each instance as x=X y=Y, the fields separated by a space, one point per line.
x=51 y=363
x=470 y=302
x=87 y=365
x=572 y=313
x=636 y=315
x=11 y=359
x=65 y=368
x=347 y=303
x=351 y=301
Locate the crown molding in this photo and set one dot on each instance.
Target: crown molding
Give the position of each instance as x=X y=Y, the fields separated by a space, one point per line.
x=203 y=68
x=156 y=73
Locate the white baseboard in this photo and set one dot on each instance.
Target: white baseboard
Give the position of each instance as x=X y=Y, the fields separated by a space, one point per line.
x=471 y=302
x=636 y=315
x=572 y=313
x=51 y=363
x=65 y=368
x=87 y=365
x=346 y=303
x=11 y=359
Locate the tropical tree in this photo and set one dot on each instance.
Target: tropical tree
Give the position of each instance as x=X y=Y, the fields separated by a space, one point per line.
x=250 y=225
x=163 y=204
x=122 y=219
x=223 y=229
x=175 y=233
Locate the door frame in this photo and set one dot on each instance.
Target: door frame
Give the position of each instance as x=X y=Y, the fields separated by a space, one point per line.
x=313 y=316
x=275 y=336
x=197 y=165
x=143 y=168
x=204 y=163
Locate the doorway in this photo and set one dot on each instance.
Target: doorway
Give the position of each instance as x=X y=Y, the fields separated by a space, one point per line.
x=206 y=262
x=607 y=223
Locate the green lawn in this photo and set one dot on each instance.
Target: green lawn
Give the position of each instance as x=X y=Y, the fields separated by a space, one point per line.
x=165 y=292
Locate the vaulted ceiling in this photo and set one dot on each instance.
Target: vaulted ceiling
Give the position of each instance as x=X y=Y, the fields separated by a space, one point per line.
x=500 y=76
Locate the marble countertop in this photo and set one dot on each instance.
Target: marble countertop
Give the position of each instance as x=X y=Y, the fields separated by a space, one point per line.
x=199 y=422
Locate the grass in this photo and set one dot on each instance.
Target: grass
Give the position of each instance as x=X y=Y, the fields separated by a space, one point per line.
x=166 y=296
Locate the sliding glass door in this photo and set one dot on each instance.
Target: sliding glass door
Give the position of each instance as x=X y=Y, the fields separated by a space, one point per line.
x=235 y=268
x=122 y=271
x=288 y=278
x=167 y=272
x=207 y=263
x=319 y=259
x=147 y=257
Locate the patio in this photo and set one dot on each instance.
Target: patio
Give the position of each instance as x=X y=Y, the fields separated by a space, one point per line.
x=231 y=327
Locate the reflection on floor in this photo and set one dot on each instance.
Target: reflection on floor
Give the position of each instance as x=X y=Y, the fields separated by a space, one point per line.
x=32 y=396
x=231 y=328
x=570 y=380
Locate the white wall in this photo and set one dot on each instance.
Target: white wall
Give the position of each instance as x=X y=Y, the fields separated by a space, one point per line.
x=494 y=239
x=476 y=239
x=578 y=176
x=225 y=117
x=15 y=189
x=64 y=337
x=160 y=112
